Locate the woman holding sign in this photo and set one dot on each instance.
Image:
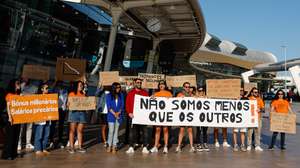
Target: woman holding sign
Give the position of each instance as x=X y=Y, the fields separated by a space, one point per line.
x=12 y=131
x=185 y=93
x=163 y=92
x=202 y=131
x=42 y=129
x=279 y=105
x=77 y=119
x=115 y=106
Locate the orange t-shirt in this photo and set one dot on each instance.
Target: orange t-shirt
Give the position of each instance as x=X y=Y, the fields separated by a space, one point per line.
x=260 y=102
x=163 y=93
x=72 y=94
x=281 y=106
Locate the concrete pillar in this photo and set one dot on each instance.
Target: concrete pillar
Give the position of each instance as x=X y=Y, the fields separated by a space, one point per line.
x=116 y=13
x=152 y=54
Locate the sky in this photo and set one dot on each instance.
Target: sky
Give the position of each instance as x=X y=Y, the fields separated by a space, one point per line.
x=263 y=25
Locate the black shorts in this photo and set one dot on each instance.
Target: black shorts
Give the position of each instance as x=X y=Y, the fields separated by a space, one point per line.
x=103 y=119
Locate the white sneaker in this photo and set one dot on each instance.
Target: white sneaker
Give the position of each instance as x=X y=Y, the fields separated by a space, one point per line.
x=68 y=144
x=51 y=145
x=29 y=146
x=217 y=144
x=192 y=150
x=19 y=147
x=145 y=150
x=248 y=148
x=76 y=143
x=225 y=144
x=178 y=149
x=165 y=151
x=258 y=148
x=154 y=150
x=130 y=150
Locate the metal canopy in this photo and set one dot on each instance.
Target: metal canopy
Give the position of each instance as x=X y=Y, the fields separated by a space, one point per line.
x=180 y=19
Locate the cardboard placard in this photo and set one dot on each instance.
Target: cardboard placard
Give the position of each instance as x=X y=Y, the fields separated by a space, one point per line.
x=108 y=77
x=223 y=88
x=177 y=81
x=38 y=72
x=33 y=108
x=249 y=86
x=127 y=80
x=70 y=69
x=280 y=122
x=82 y=103
x=150 y=81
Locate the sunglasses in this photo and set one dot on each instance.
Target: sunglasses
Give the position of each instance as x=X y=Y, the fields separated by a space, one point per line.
x=280 y=93
x=138 y=82
x=186 y=86
x=255 y=92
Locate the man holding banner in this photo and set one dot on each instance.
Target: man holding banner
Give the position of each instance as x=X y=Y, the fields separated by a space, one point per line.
x=130 y=101
x=185 y=93
x=254 y=95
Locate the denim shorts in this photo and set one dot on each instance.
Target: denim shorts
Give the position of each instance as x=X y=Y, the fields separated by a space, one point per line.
x=77 y=117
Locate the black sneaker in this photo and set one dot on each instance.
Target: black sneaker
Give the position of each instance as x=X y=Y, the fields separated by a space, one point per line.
x=283 y=148
x=271 y=148
x=205 y=147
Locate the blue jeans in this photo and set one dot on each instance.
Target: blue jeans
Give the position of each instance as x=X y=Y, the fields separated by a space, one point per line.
x=113 y=132
x=41 y=137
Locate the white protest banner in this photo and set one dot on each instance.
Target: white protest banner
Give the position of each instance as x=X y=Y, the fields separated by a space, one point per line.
x=82 y=103
x=190 y=111
x=150 y=81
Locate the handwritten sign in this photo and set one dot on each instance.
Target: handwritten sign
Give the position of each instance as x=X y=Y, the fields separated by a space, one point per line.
x=127 y=80
x=249 y=86
x=70 y=69
x=150 y=81
x=38 y=72
x=109 y=77
x=177 y=81
x=280 y=122
x=82 y=103
x=33 y=108
x=223 y=88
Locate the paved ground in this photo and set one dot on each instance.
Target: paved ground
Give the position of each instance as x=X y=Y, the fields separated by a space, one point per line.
x=97 y=157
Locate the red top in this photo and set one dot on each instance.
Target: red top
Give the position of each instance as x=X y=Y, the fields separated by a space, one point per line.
x=130 y=98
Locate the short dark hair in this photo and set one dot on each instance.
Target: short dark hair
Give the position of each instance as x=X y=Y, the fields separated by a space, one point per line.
x=135 y=79
x=186 y=83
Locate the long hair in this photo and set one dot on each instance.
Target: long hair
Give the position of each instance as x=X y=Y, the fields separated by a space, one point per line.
x=250 y=93
x=11 y=88
x=41 y=87
x=74 y=87
x=164 y=82
x=277 y=95
x=114 y=93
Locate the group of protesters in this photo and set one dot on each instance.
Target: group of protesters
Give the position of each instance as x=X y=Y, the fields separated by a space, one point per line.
x=115 y=106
